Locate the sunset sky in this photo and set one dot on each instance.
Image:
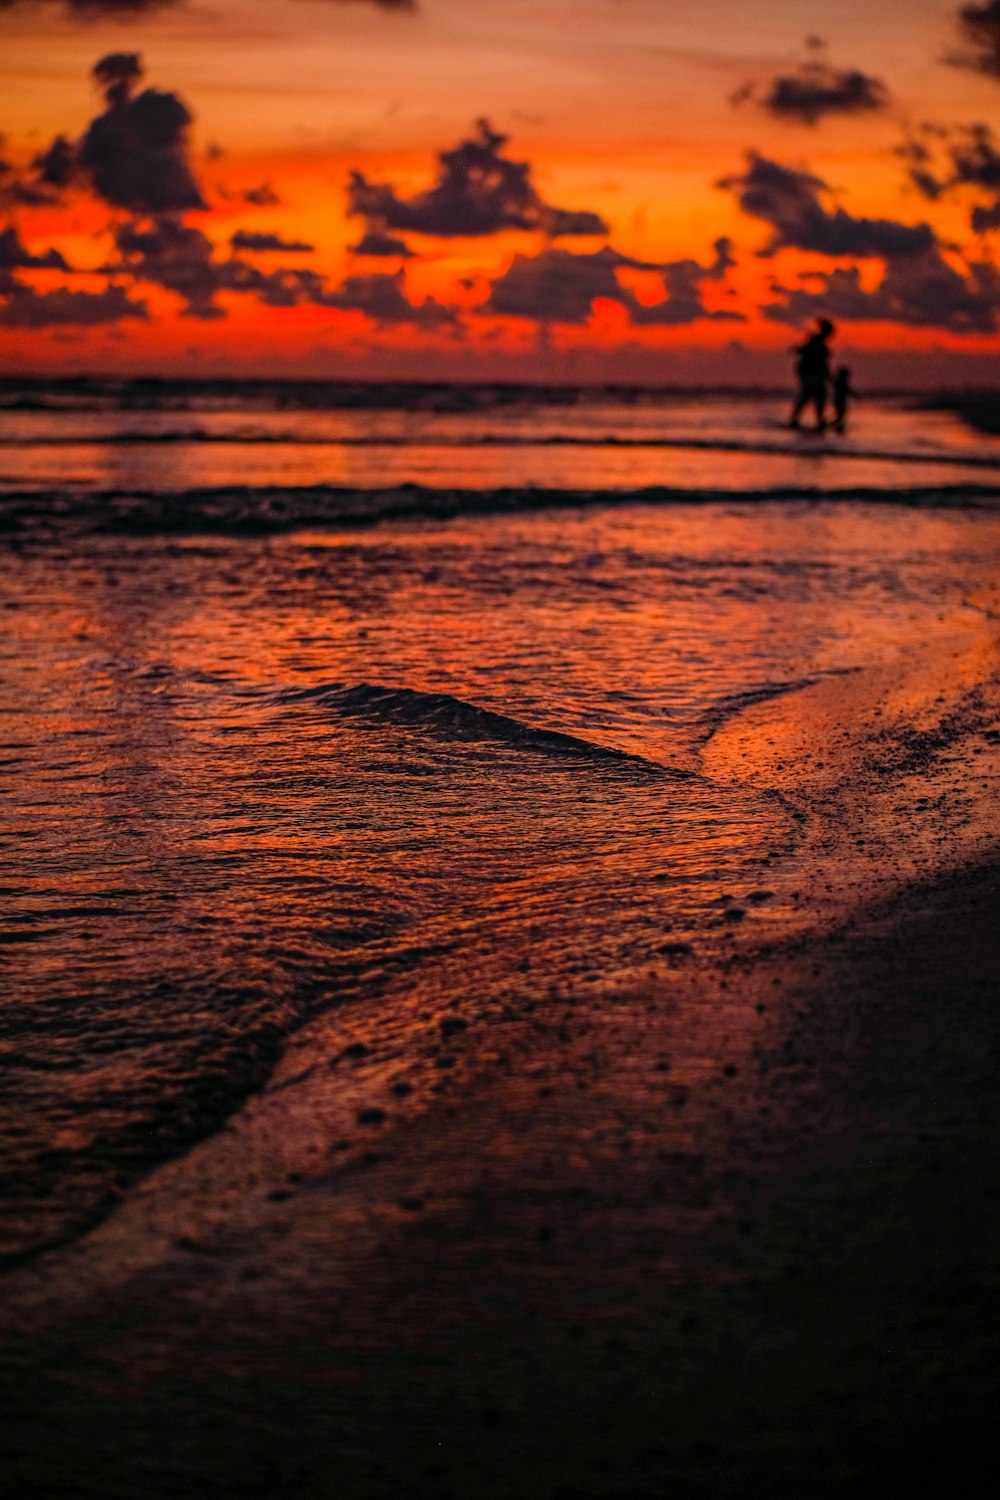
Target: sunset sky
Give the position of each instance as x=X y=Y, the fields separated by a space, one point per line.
x=621 y=189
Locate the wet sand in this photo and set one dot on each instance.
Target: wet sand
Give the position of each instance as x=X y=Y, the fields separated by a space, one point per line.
x=572 y=1271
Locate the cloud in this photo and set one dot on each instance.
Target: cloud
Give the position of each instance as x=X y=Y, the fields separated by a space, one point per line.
x=169 y=253
x=976 y=159
x=817 y=90
x=56 y=165
x=246 y=239
x=560 y=286
x=682 y=281
x=38 y=186
x=919 y=159
x=263 y=196
x=65 y=308
x=790 y=202
x=980 y=26
x=135 y=155
x=15 y=257
x=940 y=161
x=976 y=163
x=382 y=298
x=19 y=191
x=128 y=10
x=921 y=291
x=95 y=10
x=174 y=255
x=376 y=242
x=478 y=191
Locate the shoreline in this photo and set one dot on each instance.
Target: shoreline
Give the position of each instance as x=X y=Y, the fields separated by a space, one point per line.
x=775 y=1278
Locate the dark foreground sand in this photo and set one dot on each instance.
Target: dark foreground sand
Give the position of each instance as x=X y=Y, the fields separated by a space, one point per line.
x=573 y=1273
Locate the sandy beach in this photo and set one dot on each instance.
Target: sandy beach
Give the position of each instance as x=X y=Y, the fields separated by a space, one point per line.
x=569 y=1250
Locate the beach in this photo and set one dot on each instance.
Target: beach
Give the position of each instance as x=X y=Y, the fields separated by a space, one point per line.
x=504 y=998
x=523 y=1294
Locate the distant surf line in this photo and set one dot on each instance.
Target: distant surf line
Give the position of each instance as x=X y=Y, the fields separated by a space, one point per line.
x=806 y=445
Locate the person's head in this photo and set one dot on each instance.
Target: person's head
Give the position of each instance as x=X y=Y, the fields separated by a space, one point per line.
x=843 y=373
x=825 y=328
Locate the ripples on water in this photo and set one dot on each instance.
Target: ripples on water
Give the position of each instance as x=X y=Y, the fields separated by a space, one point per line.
x=249 y=778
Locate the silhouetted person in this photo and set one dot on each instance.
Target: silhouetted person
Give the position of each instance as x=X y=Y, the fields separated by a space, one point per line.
x=813 y=370
x=843 y=393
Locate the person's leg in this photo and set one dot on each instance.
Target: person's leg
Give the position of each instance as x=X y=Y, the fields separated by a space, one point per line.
x=799 y=407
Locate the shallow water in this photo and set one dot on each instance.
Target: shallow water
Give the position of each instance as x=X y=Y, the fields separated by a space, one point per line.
x=249 y=778
x=163 y=439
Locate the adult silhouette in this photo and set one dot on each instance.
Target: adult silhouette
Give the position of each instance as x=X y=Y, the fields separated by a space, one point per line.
x=813 y=370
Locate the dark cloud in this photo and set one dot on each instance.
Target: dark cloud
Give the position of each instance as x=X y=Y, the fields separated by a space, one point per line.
x=174 y=255
x=169 y=253
x=976 y=163
x=135 y=155
x=382 y=298
x=56 y=166
x=985 y=217
x=922 y=291
x=920 y=168
x=976 y=159
x=263 y=196
x=559 y=286
x=127 y=10
x=817 y=89
x=377 y=243
x=14 y=256
x=790 y=202
x=478 y=191
x=940 y=161
x=94 y=10
x=65 y=308
x=682 y=281
x=555 y=287
x=35 y=187
x=980 y=26
x=18 y=190
x=246 y=239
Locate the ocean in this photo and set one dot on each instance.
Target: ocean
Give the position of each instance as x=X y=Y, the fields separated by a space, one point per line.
x=423 y=700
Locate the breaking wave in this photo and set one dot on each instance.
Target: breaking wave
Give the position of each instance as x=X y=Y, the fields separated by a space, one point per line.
x=452 y=719
x=246 y=510
x=795 y=445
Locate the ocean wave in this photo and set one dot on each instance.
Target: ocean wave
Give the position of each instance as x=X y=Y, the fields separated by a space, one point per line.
x=217 y=393
x=797 y=445
x=250 y=510
x=454 y=720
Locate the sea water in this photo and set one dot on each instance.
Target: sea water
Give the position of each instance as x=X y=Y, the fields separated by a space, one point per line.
x=318 y=696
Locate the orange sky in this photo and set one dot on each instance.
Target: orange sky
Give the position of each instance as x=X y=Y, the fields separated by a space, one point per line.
x=623 y=112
